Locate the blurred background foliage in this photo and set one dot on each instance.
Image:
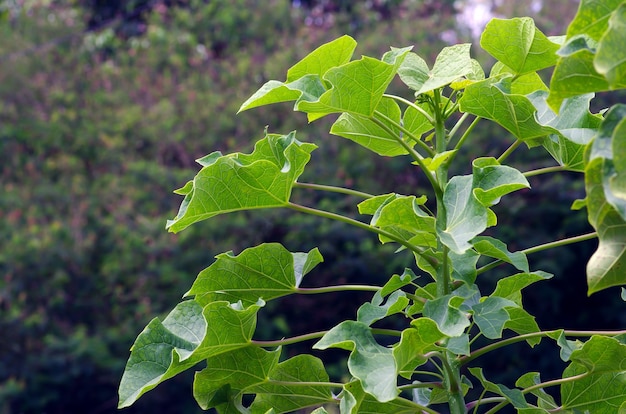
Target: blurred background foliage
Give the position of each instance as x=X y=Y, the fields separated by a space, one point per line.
x=105 y=105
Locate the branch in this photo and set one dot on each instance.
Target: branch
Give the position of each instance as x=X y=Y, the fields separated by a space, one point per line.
x=332 y=189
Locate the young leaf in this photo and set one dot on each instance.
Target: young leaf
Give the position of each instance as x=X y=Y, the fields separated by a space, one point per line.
x=188 y=335
x=544 y=400
x=237 y=370
x=414 y=343
x=521 y=322
x=511 y=287
x=373 y=311
x=371 y=363
x=264 y=272
x=244 y=181
x=304 y=78
x=514 y=396
x=488 y=246
x=356 y=87
x=452 y=63
x=490 y=315
x=467 y=198
x=294 y=384
x=601 y=354
x=603 y=393
x=445 y=312
x=519 y=44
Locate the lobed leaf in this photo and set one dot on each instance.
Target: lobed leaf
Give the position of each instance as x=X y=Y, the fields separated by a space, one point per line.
x=544 y=400
x=188 y=335
x=373 y=311
x=514 y=396
x=601 y=354
x=371 y=363
x=519 y=44
x=239 y=181
x=265 y=272
x=491 y=315
x=488 y=246
x=355 y=400
x=297 y=383
x=467 y=200
x=592 y=18
x=447 y=315
x=415 y=341
x=356 y=87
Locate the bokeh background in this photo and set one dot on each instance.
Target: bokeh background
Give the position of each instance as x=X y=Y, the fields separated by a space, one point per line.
x=105 y=105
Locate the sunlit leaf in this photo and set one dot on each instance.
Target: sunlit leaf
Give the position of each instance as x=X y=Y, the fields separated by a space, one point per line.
x=493 y=99
x=239 y=181
x=518 y=44
x=357 y=87
x=592 y=18
x=610 y=59
x=490 y=315
x=488 y=246
x=370 y=135
x=416 y=341
x=452 y=63
x=188 y=335
x=511 y=287
x=375 y=310
x=264 y=272
x=601 y=354
x=373 y=364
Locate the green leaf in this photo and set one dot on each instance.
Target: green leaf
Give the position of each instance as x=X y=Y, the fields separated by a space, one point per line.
x=575 y=127
x=356 y=400
x=264 y=272
x=357 y=87
x=445 y=312
x=188 y=335
x=414 y=343
x=237 y=369
x=521 y=322
x=291 y=386
x=415 y=121
x=610 y=59
x=403 y=217
x=370 y=135
x=518 y=44
x=467 y=198
x=396 y=282
x=452 y=63
x=493 y=99
x=601 y=354
x=490 y=316
x=544 y=400
x=511 y=287
x=239 y=181
x=606 y=203
x=464 y=266
x=488 y=246
x=369 y=362
x=592 y=18
x=514 y=396
x=575 y=73
x=567 y=346
x=459 y=345
x=304 y=78
x=596 y=393
x=373 y=311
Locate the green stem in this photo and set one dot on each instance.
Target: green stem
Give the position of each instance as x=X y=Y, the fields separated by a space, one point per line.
x=361 y=225
x=541 y=247
x=505 y=342
x=426 y=115
x=410 y=134
x=387 y=332
x=467 y=133
x=420 y=385
x=332 y=189
x=307 y=384
x=482 y=401
x=340 y=288
x=457 y=126
x=288 y=341
x=555 y=382
x=509 y=151
x=546 y=170
x=416 y=156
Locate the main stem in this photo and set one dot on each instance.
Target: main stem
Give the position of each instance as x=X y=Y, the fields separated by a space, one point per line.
x=452 y=376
